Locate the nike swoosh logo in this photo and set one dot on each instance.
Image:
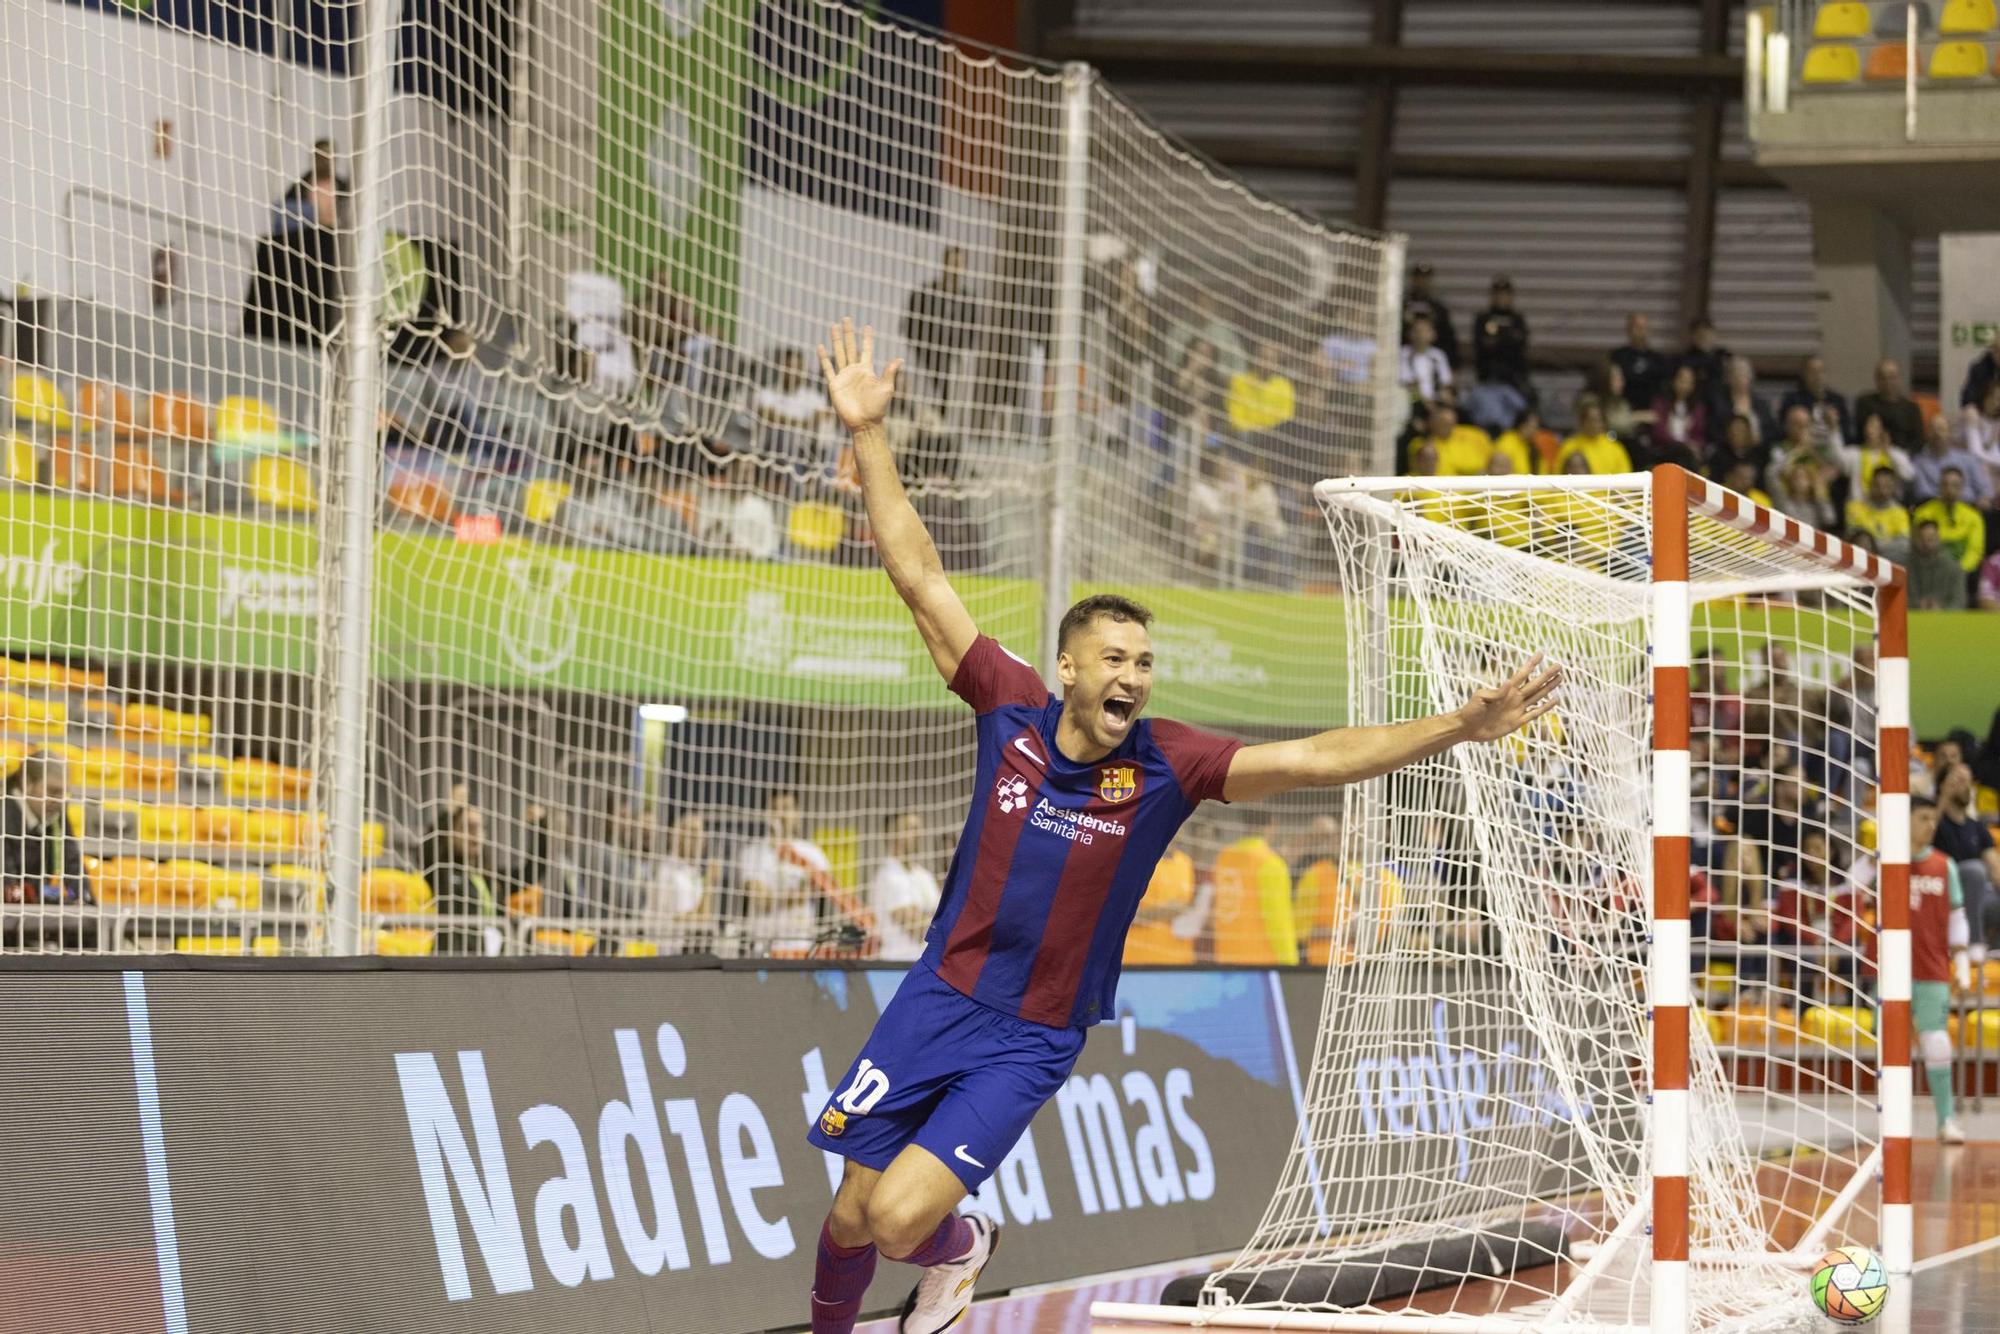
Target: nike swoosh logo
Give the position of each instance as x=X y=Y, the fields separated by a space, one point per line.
x=1021 y=744
x=964 y=1157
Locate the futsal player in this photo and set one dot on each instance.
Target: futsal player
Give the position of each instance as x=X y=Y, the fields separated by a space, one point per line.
x=1074 y=801
x=1938 y=937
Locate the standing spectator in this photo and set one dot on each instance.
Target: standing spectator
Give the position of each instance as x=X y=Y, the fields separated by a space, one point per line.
x=1419 y=301
x=1900 y=415
x=1880 y=514
x=1645 y=369
x=1737 y=396
x=1984 y=370
x=939 y=322
x=1425 y=368
x=783 y=875
x=1961 y=528
x=905 y=893
x=1832 y=424
x=1598 y=450
x=1708 y=360
x=678 y=908
x=1680 y=421
x=1936 y=581
x=1942 y=450
x=1876 y=453
x=1197 y=397
x=1964 y=837
x=39 y=861
x=295 y=288
x=1253 y=902
x=1500 y=341
x=1209 y=326
x=1462 y=451
x=1989 y=584
x=1739 y=446
x=1261 y=398
x=1167 y=924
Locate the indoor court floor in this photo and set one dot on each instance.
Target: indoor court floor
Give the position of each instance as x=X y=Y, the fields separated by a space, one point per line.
x=1955 y=1289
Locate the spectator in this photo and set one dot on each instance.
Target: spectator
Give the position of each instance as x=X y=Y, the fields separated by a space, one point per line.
x=1941 y=451
x=1328 y=918
x=39 y=861
x=939 y=323
x=1425 y=368
x=1260 y=398
x=1600 y=453
x=1737 y=396
x=1738 y=446
x=466 y=885
x=1741 y=478
x=1984 y=370
x=1832 y=425
x=1197 y=397
x=620 y=873
x=1500 y=341
x=1964 y=837
x=1620 y=419
x=674 y=349
x=1168 y=923
x=677 y=909
x=1899 y=412
x=1800 y=447
x=1420 y=302
x=783 y=876
x=793 y=409
x=1253 y=901
x=1462 y=451
x=734 y=514
x=1979 y=435
x=1803 y=490
x=1876 y=453
x=295 y=208
x=1490 y=405
x=1881 y=515
x=1937 y=583
x=1708 y=360
x=1131 y=336
x=295 y=287
x=1529 y=447
x=1209 y=326
x=905 y=893
x=1774 y=817
x=1645 y=369
x=1680 y=421
x=1961 y=528
x=1989 y=583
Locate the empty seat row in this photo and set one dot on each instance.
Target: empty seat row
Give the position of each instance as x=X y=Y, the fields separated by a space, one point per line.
x=238 y=827
x=1888 y=63
x=240 y=420
x=1837 y=20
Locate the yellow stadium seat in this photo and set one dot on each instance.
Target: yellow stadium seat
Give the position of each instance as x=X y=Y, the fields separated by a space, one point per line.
x=37 y=400
x=815 y=526
x=545 y=496
x=389 y=891
x=283 y=484
x=263 y=947
x=35 y=672
x=99 y=768
x=304 y=887
x=1887 y=63
x=1840 y=1025
x=126 y=882
x=166 y=727
x=1840 y=19
x=550 y=940
x=405 y=941
x=243 y=422
x=167 y=824
x=24 y=461
x=1986 y=802
x=1753 y=1026
x=29 y=716
x=1985 y=1037
x=1958 y=60
x=1967 y=16
x=639 y=949
x=1831 y=64
x=233 y=890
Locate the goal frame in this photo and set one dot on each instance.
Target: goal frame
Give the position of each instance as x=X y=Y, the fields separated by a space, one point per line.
x=1676 y=497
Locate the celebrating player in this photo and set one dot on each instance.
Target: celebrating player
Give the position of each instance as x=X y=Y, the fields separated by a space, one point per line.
x=1938 y=936
x=1075 y=801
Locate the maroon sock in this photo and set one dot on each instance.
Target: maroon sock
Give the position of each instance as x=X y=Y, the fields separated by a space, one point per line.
x=840 y=1277
x=952 y=1241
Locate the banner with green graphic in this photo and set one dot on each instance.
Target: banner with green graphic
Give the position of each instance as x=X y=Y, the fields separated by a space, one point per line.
x=104 y=582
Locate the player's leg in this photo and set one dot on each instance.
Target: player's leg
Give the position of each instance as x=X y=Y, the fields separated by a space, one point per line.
x=1928 y=1003
x=847 y=1254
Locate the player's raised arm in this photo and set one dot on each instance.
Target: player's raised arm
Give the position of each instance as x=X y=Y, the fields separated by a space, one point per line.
x=861 y=397
x=1351 y=754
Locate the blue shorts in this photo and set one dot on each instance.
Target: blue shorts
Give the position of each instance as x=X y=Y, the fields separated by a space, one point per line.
x=943 y=1071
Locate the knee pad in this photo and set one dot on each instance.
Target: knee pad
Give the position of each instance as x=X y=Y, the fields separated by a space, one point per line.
x=1936 y=1047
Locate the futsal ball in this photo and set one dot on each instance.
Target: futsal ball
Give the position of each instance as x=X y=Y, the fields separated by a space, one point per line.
x=1850 y=1285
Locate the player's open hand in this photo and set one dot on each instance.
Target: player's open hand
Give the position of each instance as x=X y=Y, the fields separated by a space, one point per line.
x=1497 y=711
x=860 y=396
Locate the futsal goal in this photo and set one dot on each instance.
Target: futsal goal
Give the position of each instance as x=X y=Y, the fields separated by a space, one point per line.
x=1616 y=1033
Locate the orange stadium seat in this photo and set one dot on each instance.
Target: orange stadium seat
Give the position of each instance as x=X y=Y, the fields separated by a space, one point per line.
x=1887 y=63
x=1958 y=60
x=421 y=498
x=73 y=466
x=134 y=472
x=175 y=416
x=389 y=891
x=107 y=408
x=1967 y=16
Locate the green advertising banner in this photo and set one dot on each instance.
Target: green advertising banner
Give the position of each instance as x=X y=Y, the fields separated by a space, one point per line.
x=105 y=582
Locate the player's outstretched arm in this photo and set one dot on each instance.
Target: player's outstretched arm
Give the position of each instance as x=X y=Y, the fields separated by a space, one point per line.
x=861 y=397
x=1351 y=754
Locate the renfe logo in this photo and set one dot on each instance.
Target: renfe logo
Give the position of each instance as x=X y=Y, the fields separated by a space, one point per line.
x=1442 y=1090
x=569 y=1229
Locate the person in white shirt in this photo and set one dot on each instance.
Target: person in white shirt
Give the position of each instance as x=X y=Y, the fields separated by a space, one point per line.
x=904 y=894
x=676 y=911
x=1424 y=369
x=781 y=876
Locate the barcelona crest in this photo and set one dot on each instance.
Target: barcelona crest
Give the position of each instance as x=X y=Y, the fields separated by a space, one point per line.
x=833 y=1122
x=1117 y=782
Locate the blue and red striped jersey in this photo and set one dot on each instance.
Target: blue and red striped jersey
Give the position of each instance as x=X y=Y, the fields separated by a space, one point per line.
x=1055 y=855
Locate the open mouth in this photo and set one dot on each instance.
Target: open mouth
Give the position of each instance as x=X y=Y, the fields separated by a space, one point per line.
x=1118 y=712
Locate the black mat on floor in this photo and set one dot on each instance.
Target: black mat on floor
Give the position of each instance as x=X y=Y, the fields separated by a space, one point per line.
x=1388 y=1274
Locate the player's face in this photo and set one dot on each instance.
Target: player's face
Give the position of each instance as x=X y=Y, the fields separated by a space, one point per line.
x=1107 y=676
x=1923 y=825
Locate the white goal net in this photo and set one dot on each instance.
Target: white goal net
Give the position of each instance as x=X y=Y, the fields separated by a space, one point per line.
x=1492 y=1125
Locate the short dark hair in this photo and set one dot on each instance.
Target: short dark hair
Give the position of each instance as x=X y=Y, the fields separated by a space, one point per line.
x=1920 y=802
x=1954 y=471
x=34 y=771
x=1080 y=615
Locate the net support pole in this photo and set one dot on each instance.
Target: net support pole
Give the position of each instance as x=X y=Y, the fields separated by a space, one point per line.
x=1667 y=1131
x=1892 y=831
x=1066 y=356
x=353 y=568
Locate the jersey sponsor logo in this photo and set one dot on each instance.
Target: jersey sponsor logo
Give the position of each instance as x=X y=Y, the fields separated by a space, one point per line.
x=1021 y=744
x=1921 y=885
x=1012 y=793
x=1075 y=825
x=1117 y=782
